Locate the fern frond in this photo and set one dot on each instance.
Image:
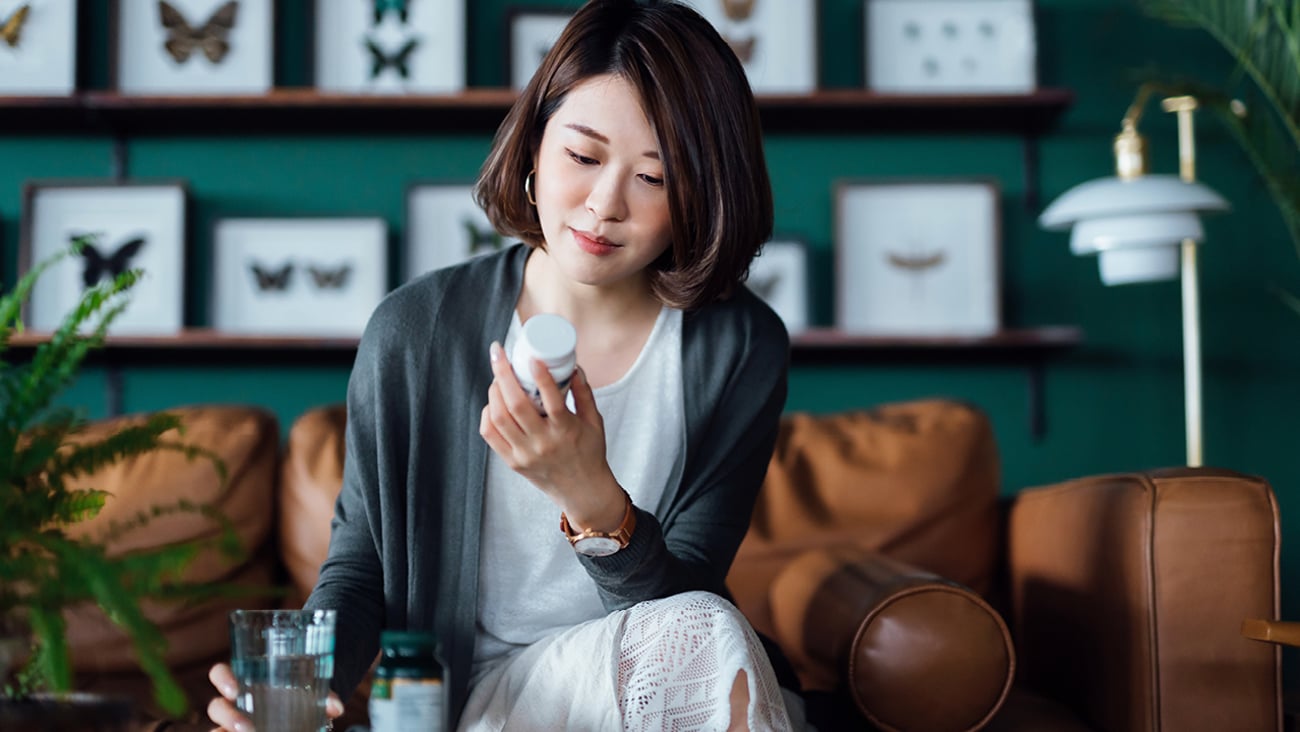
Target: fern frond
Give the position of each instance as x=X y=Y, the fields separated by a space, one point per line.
x=50 y=661
x=123 y=608
x=127 y=442
x=56 y=362
x=75 y=506
x=11 y=303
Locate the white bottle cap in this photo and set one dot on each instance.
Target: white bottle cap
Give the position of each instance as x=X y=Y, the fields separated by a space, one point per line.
x=551 y=339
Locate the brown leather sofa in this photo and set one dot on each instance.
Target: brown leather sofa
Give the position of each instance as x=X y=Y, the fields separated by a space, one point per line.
x=908 y=593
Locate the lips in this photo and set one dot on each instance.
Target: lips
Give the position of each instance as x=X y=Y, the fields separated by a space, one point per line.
x=592 y=244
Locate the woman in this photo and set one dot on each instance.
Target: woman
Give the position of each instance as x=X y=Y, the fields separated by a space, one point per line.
x=632 y=169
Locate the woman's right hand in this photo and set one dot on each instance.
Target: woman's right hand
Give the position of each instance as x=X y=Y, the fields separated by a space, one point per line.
x=222 y=710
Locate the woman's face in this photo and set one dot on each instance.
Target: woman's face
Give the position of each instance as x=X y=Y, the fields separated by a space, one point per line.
x=600 y=188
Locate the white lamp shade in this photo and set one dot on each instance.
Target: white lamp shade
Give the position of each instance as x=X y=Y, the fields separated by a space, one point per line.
x=1134 y=232
x=1147 y=264
x=1140 y=196
x=1134 y=226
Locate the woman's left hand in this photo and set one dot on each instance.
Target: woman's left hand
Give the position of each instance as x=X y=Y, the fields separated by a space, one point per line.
x=562 y=453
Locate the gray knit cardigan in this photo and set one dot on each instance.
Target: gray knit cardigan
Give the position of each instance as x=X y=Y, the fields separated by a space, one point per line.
x=404 y=546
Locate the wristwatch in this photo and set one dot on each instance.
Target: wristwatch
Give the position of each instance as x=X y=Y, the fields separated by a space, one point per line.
x=594 y=543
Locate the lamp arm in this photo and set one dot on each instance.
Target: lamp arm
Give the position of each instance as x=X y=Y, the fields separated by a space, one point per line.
x=1134 y=113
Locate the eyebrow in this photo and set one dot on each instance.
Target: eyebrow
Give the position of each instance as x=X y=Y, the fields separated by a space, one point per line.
x=587 y=131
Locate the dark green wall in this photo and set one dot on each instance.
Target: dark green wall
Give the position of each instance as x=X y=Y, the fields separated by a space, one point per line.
x=1114 y=404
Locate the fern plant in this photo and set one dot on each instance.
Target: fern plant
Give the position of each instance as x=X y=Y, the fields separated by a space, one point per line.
x=43 y=569
x=1263 y=36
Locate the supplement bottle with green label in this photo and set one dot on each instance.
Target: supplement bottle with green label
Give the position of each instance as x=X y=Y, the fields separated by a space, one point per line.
x=407 y=694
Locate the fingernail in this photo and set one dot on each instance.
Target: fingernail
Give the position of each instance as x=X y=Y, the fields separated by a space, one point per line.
x=333 y=706
x=494 y=351
x=241 y=726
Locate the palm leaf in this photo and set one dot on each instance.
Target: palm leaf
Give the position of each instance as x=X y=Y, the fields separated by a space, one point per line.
x=1263 y=37
x=1259 y=34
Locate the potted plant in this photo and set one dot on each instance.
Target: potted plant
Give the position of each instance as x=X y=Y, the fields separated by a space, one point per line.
x=43 y=569
x=1263 y=37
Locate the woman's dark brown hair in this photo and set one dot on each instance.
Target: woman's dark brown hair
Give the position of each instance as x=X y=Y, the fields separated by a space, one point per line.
x=697 y=99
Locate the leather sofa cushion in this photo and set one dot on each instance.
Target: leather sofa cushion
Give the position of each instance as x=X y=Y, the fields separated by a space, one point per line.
x=311 y=478
x=910 y=480
x=921 y=652
x=247 y=441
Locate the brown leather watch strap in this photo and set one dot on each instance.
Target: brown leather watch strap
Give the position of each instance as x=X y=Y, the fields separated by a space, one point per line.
x=622 y=535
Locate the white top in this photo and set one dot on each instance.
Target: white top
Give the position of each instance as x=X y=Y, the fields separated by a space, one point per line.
x=530 y=581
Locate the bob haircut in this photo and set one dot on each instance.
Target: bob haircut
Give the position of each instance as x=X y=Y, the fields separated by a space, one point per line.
x=696 y=96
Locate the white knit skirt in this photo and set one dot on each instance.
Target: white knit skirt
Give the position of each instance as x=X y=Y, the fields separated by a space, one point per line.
x=665 y=664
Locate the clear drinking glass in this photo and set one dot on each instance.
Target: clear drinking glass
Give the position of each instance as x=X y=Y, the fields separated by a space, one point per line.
x=283 y=660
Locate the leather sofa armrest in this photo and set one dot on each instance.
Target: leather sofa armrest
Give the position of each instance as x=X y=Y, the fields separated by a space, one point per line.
x=1271 y=631
x=897 y=637
x=1127 y=594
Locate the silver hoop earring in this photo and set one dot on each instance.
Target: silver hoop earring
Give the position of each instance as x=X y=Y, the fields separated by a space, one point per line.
x=528 y=186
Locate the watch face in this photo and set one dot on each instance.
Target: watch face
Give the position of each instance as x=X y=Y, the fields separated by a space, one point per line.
x=596 y=546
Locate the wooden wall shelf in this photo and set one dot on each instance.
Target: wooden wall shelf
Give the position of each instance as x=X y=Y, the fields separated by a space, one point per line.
x=823 y=345
x=306 y=111
x=1029 y=347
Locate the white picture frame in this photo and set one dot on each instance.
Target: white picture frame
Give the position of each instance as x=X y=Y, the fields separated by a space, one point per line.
x=136 y=225
x=445 y=226
x=300 y=276
x=38 y=47
x=775 y=40
x=530 y=33
x=422 y=53
x=779 y=276
x=951 y=46
x=193 y=47
x=918 y=258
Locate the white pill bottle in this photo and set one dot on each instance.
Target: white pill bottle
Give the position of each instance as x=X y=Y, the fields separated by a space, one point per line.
x=552 y=340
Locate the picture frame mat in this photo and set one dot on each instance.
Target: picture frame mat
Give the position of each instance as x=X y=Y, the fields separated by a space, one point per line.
x=527 y=30
x=157 y=211
x=43 y=63
x=784 y=57
x=951 y=46
x=779 y=275
x=439 y=217
x=349 y=253
x=140 y=64
x=437 y=65
x=901 y=270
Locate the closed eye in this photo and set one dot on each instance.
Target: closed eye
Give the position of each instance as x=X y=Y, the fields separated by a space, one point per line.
x=652 y=180
x=581 y=159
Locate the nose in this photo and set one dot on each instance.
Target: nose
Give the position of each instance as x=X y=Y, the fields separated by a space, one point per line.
x=606 y=199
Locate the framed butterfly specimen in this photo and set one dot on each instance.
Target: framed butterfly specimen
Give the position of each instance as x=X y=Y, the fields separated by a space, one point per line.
x=298 y=276
x=193 y=46
x=775 y=40
x=38 y=47
x=121 y=226
x=951 y=46
x=918 y=257
x=389 y=46
x=779 y=275
x=444 y=226
x=530 y=33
